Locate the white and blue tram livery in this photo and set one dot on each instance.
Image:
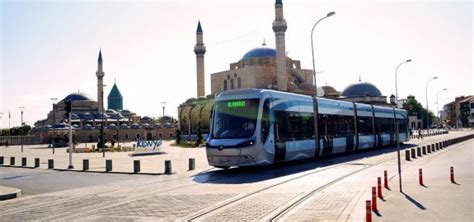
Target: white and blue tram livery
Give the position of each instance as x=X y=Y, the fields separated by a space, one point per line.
x=258 y=126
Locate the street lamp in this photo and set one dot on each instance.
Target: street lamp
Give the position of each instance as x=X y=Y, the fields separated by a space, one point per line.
x=314 y=76
x=437 y=105
x=397 y=126
x=312 y=49
x=427 y=119
x=22 y=108
x=396 y=80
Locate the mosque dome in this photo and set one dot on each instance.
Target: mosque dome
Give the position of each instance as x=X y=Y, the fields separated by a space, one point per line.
x=77 y=97
x=361 y=89
x=329 y=90
x=260 y=52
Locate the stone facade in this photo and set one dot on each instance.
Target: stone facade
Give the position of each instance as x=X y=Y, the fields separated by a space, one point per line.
x=260 y=72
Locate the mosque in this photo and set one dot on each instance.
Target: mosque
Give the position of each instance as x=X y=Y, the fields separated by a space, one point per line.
x=88 y=116
x=264 y=68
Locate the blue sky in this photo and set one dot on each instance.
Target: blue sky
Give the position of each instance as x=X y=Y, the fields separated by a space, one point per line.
x=49 y=48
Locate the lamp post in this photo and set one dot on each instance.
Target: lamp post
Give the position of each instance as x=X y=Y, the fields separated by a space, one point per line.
x=427 y=118
x=437 y=105
x=397 y=126
x=396 y=81
x=312 y=49
x=162 y=120
x=315 y=106
x=22 y=108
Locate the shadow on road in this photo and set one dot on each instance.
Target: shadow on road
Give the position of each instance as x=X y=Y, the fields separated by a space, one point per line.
x=413 y=201
x=242 y=175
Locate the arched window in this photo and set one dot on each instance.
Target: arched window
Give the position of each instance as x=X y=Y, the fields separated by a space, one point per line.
x=225 y=84
x=232 y=83
x=238 y=83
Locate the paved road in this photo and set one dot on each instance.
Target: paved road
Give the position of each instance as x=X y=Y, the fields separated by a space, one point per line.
x=330 y=189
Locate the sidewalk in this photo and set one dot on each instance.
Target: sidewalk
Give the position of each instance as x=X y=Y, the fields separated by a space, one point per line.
x=7 y=193
x=122 y=161
x=438 y=200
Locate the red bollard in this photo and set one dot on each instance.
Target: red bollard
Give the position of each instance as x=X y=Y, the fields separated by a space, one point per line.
x=374 y=199
x=452 y=175
x=379 y=187
x=420 y=179
x=368 y=211
x=385 y=179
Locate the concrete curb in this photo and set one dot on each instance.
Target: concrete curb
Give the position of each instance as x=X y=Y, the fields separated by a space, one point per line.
x=7 y=193
x=90 y=171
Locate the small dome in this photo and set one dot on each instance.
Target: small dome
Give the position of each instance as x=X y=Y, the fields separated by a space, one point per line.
x=260 y=52
x=329 y=90
x=77 y=97
x=361 y=89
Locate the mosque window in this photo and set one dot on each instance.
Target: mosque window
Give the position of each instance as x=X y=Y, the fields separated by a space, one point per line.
x=232 y=83
x=225 y=84
x=238 y=83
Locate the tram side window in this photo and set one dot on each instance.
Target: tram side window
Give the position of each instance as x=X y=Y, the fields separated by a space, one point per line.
x=365 y=125
x=293 y=126
x=384 y=125
x=331 y=126
x=403 y=126
x=265 y=119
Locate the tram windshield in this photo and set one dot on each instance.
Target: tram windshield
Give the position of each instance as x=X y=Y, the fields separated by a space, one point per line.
x=235 y=118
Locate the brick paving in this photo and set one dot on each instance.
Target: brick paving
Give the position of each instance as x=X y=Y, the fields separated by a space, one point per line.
x=175 y=197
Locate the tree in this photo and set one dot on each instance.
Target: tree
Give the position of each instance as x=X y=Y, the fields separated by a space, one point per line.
x=178 y=136
x=16 y=131
x=199 y=135
x=414 y=108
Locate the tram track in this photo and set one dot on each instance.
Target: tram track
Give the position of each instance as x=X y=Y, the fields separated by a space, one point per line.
x=296 y=201
x=281 y=213
x=246 y=196
x=241 y=173
x=238 y=173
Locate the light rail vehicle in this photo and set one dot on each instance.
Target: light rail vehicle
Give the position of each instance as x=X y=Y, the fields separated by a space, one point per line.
x=258 y=127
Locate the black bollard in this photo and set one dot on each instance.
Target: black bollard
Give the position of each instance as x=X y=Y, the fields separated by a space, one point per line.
x=50 y=164
x=168 y=167
x=37 y=162
x=108 y=165
x=136 y=166
x=12 y=160
x=423 y=150
x=85 y=164
x=407 y=155
x=428 y=148
x=433 y=148
x=23 y=161
x=192 y=164
x=1 y=160
x=418 y=151
x=413 y=154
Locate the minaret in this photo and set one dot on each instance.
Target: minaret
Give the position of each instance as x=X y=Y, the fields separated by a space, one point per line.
x=200 y=49
x=279 y=27
x=100 y=83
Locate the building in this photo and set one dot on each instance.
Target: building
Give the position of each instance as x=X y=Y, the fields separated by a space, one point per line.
x=364 y=92
x=88 y=117
x=261 y=67
x=115 y=99
x=267 y=68
x=460 y=112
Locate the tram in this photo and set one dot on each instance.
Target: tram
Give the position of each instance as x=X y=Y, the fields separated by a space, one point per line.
x=258 y=127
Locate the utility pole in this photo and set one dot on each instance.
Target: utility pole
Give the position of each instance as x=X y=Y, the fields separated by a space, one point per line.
x=69 y=113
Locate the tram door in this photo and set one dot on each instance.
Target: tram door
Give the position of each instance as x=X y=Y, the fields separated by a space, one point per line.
x=280 y=132
x=280 y=148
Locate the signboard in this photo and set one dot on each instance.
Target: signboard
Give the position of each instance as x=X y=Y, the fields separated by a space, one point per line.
x=148 y=145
